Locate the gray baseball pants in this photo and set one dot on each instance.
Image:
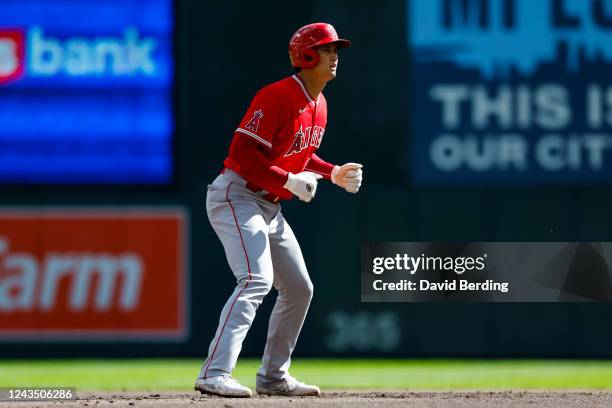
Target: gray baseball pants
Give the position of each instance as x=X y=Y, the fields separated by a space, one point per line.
x=262 y=252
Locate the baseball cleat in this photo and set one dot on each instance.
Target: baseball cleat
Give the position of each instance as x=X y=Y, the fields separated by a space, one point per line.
x=289 y=387
x=222 y=385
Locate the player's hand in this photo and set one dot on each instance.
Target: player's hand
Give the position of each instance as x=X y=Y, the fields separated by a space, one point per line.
x=348 y=176
x=303 y=185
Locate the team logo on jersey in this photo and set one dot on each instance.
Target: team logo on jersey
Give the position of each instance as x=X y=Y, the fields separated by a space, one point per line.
x=12 y=66
x=304 y=138
x=253 y=124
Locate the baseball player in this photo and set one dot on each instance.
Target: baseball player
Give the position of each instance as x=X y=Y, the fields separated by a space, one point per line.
x=272 y=158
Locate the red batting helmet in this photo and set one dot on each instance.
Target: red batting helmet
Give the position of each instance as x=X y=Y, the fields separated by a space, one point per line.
x=302 y=43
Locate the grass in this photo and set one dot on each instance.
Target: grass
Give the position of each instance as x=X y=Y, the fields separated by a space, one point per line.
x=160 y=375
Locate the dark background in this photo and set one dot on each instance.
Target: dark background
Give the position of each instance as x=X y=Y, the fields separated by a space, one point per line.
x=225 y=52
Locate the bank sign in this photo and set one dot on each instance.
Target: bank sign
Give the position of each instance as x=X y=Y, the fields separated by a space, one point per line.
x=86 y=92
x=511 y=92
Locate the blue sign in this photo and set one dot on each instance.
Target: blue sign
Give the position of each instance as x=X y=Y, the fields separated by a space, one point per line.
x=86 y=92
x=511 y=91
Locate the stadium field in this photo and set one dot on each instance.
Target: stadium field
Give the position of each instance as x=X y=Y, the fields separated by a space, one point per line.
x=344 y=382
x=336 y=374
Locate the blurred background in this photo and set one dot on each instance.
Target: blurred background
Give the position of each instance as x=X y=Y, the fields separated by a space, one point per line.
x=475 y=121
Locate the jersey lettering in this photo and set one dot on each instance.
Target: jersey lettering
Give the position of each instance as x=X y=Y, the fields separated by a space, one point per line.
x=296 y=147
x=317 y=136
x=303 y=139
x=253 y=124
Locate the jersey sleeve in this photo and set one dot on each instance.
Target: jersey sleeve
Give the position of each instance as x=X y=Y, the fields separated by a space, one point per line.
x=319 y=166
x=262 y=119
x=247 y=158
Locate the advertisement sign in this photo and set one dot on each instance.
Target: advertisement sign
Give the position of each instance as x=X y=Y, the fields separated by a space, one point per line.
x=93 y=273
x=86 y=92
x=511 y=92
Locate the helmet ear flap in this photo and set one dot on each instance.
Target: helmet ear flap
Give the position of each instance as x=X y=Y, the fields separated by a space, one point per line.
x=309 y=57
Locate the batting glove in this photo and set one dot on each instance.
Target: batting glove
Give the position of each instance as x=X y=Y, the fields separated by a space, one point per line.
x=303 y=185
x=348 y=176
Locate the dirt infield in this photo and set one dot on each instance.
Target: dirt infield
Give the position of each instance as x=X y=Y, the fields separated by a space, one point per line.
x=356 y=399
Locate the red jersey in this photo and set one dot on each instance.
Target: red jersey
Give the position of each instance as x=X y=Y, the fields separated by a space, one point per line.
x=289 y=126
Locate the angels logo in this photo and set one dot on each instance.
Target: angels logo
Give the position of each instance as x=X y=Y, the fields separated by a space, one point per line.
x=12 y=65
x=304 y=138
x=253 y=124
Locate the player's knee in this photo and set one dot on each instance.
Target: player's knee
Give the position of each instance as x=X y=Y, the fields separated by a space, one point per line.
x=309 y=289
x=303 y=290
x=259 y=287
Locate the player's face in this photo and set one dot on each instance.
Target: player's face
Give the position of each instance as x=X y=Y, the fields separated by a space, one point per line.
x=326 y=68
